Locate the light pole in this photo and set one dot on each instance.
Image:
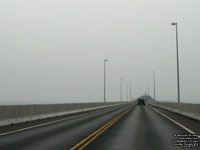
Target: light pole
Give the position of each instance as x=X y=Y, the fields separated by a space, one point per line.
x=130 y=91
x=154 y=80
x=127 y=93
x=105 y=80
x=148 y=91
x=178 y=83
x=121 y=89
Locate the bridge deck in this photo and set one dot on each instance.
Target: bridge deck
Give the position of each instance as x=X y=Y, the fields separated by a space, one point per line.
x=122 y=127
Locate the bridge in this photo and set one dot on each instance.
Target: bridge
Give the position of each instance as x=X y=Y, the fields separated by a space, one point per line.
x=100 y=126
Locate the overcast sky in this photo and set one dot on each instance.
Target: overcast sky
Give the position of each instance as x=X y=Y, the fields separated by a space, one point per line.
x=52 y=51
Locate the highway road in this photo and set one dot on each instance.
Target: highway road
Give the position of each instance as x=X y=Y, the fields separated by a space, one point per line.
x=126 y=127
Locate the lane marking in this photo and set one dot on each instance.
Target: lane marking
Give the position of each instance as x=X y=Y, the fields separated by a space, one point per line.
x=43 y=124
x=48 y=123
x=177 y=123
x=93 y=138
x=95 y=134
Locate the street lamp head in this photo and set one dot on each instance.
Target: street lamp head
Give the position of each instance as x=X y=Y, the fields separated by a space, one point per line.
x=174 y=23
x=105 y=59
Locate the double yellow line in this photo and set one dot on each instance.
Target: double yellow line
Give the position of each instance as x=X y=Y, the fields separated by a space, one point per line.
x=82 y=144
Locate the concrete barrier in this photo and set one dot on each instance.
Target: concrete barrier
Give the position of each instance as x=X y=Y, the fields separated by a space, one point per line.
x=12 y=114
x=186 y=109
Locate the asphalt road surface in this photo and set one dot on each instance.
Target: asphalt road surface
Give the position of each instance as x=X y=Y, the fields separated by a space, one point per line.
x=126 y=127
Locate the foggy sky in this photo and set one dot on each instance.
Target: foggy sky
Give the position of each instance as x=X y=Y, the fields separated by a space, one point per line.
x=52 y=51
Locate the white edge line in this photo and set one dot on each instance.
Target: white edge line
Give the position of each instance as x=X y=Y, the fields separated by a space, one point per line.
x=190 y=131
x=48 y=123
x=31 y=127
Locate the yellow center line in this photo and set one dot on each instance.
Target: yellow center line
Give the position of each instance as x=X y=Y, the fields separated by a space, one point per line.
x=92 y=134
x=93 y=138
x=95 y=134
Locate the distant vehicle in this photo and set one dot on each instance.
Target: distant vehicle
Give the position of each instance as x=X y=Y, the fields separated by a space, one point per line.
x=141 y=102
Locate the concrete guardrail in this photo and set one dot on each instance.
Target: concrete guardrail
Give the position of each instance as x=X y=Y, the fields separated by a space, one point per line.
x=12 y=114
x=186 y=109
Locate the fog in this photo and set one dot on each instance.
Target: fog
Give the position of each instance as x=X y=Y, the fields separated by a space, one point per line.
x=53 y=51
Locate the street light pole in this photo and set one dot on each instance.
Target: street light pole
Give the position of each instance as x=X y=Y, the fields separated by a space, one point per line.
x=130 y=91
x=121 y=89
x=148 y=91
x=127 y=93
x=105 y=80
x=178 y=83
x=154 y=80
